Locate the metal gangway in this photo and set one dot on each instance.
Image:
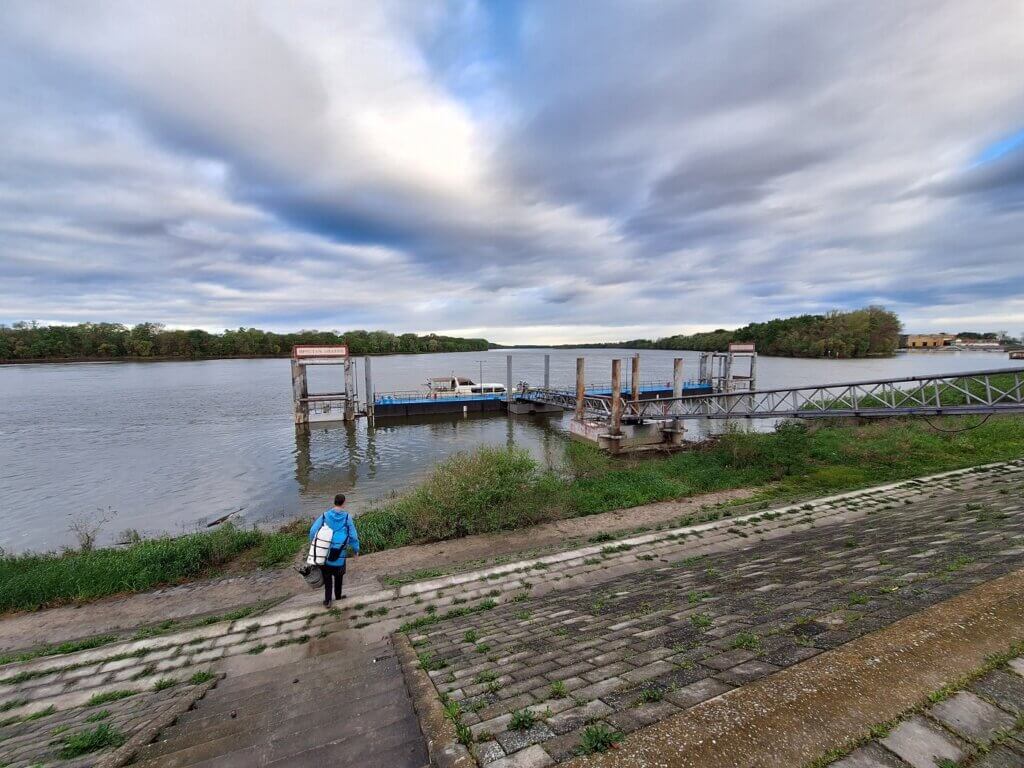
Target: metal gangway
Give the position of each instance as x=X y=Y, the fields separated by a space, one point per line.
x=947 y=394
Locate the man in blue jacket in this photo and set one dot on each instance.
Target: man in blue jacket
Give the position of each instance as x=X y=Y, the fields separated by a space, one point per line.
x=345 y=535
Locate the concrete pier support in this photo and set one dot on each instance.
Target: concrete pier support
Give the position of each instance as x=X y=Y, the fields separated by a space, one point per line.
x=547 y=371
x=300 y=391
x=371 y=397
x=350 y=403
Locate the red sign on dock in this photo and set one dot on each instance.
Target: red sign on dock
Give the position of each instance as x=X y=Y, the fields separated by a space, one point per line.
x=300 y=351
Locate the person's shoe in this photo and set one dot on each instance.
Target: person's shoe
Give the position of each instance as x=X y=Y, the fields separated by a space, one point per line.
x=341 y=598
x=327 y=603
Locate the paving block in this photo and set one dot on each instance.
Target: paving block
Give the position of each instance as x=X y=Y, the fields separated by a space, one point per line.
x=573 y=718
x=531 y=757
x=871 y=755
x=695 y=693
x=922 y=744
x=514 y=741
x=1017 y=665
x=747 y=672
x=971 y=717
x=1000 y=757
x=488 y=752
x=1004 y=688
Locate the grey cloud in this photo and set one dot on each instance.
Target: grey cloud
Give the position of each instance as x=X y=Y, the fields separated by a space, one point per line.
x=631 y=165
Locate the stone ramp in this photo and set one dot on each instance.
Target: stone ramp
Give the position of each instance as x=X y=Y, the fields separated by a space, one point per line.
x=344 y=706
x=630 y=615
x=634 y=643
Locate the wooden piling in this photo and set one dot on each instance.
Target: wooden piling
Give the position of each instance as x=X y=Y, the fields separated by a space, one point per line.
x=547 y=371
x=634 y=384
x=371 y=398
x=581 y=388
x=616 y=423
x=677 y=378
x=350 y=403
x=508 y=379
x=300 y=391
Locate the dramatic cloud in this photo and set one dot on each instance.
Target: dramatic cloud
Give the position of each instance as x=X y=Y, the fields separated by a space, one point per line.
x=536 y=171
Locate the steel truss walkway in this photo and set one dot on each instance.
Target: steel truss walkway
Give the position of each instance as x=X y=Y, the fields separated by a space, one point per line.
x=974 y=392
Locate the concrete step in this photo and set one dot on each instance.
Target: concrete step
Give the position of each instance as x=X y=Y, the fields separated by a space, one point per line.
x=409 y=754
x=338 y=667
x=325 y=721
x=281 y=717
x=401 y=740
x=290 y=694
x=342 y=663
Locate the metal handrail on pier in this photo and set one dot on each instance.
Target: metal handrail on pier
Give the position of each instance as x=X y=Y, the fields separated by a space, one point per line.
x=972 y=392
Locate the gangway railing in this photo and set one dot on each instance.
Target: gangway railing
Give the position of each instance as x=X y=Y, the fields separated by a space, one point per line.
x=972 y=392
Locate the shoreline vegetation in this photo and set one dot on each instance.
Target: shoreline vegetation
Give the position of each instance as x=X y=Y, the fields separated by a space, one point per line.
x=869 y=332
x=31 y=342
x=505 y=489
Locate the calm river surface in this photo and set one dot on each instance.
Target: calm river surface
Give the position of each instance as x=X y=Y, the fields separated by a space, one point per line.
x=171 y=446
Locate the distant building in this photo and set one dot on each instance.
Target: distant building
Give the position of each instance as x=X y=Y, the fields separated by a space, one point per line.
x=927 y=340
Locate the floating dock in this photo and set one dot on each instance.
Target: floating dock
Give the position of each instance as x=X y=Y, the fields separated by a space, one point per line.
x=402 y=404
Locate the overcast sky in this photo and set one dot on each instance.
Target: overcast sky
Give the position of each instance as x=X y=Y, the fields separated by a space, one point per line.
x=536 y=172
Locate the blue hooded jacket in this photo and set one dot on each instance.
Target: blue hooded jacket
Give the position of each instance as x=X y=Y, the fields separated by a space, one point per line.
x=342 y=525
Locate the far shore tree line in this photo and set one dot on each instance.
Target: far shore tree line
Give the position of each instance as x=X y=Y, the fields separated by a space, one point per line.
x=113 y=341
x=869 y=332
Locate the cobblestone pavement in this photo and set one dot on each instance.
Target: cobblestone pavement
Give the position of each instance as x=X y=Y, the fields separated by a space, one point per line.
x=980 y=727
x=618 y=634
x=539 y=678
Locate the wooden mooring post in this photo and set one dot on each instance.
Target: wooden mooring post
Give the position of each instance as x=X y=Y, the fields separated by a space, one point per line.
x=371 y=397
x=581 y=388
x=674 y=435
x=634 y=383
x=508 y=380
x=615 y=427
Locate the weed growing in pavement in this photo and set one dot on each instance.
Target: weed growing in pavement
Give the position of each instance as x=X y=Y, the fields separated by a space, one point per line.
x=95 y=717
x=429 y=664
x=747 y=641
x=164 y=683
x=650 y=695
x=201 y=677
x=597 y=738
x=558 y=690
x=701 y=620
x=522 y=720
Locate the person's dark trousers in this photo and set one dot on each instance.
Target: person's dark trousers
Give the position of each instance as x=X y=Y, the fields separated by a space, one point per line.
x=335 y=574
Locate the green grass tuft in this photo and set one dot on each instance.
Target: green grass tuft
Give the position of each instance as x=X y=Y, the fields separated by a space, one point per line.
x=84 y=742
x=104 y=698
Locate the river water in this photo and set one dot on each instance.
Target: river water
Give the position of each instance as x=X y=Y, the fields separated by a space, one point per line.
x=172 y=446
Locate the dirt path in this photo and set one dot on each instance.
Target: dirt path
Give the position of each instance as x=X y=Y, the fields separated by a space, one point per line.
x=117 y=614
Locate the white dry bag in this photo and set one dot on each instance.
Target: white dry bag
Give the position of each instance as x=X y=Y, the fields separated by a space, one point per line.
x=321 y=544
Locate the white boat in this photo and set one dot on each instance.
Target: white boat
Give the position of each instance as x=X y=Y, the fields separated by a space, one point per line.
x=461 y=385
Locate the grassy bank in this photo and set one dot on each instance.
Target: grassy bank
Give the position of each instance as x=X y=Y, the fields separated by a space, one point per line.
x=499 y=489
x=34 y=580
x=496 y=489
